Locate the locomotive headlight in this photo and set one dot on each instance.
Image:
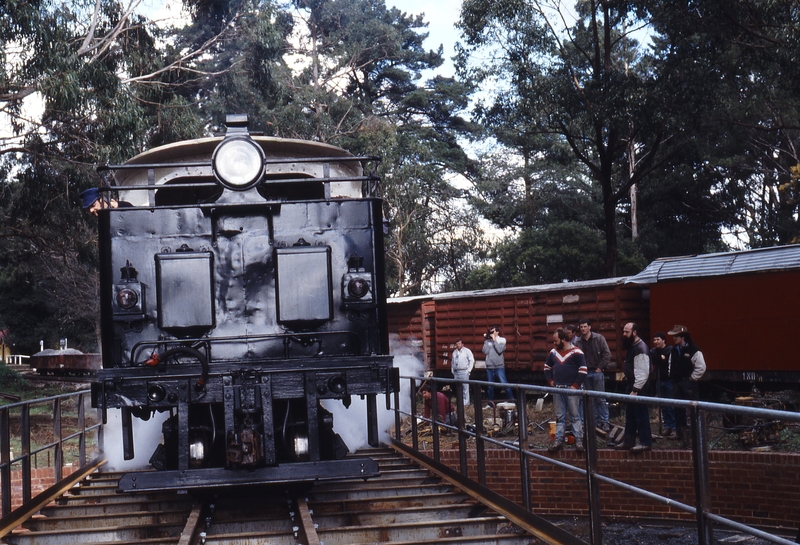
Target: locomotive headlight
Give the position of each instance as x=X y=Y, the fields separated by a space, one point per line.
x=127 y=298
x=238 y=163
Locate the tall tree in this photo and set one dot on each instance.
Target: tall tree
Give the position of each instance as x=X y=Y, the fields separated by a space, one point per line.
x=583 y=84
x=95 y=76
x=744 y=53
x=363 y=63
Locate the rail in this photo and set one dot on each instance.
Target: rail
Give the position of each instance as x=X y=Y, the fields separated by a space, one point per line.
x=67 y=440
x=697 y=417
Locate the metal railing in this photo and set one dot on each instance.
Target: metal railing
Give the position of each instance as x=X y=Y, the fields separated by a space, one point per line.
x=16 y=359
x=69 y=439
x=697 y=417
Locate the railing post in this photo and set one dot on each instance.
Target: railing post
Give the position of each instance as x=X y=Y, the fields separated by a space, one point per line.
x=593 y=485
x=414 y=428
x=58 y=457
x=25 y=445
x=397 y=434
x=434 y=418
x=462 y=436
x=522 y=437
x=480 y=444
x=702 y=481
x=82 y=428
x=5 y=461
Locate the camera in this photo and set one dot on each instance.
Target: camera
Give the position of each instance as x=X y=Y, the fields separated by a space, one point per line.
x=488 y=334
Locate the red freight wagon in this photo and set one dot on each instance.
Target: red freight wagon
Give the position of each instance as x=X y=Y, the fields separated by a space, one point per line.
x=527 y=317
x=740 y=308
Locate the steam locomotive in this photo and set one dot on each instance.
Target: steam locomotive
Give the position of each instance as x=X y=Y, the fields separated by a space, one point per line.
x=242 y=283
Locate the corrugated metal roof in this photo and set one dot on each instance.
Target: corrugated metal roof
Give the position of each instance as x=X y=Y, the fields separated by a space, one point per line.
x=777 y=258
x=603 y=282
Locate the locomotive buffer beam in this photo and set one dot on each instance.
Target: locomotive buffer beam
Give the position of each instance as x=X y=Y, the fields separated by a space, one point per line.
x=217 y=477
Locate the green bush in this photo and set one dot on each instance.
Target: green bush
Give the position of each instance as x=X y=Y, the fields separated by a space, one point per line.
x=11 y=382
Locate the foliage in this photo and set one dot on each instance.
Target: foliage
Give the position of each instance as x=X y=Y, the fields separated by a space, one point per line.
x=578 y=96
x=12 y=381
x=702 y=123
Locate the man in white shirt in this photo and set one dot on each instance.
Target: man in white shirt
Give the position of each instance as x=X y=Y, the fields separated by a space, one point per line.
x=461 y=364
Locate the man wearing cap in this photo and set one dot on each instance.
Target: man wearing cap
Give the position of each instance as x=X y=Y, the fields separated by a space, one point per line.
x=94 y=202
x=686 y=367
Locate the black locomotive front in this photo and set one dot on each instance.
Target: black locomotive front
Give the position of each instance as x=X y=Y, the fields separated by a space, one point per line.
x=242 y=283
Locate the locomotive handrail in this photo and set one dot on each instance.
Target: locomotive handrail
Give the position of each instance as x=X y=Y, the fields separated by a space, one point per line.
x=324 y=159
x=28 y=457
x=696 y=412
x=140 y=187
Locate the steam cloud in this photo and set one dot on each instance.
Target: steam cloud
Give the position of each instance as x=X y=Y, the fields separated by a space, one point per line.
x=351 y=424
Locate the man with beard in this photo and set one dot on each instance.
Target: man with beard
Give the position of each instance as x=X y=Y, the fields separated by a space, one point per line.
x=637 y=371
x=686 y=368
x=565 y=368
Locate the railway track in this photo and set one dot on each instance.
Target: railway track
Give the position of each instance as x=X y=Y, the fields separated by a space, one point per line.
x=406 y=504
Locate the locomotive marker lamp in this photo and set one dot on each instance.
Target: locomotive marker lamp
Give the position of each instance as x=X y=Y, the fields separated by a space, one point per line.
x=357 y=284
x=238 y=162
x=129 y=295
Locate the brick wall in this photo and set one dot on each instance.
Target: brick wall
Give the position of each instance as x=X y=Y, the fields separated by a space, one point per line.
x=751 y=488
x=41 y=479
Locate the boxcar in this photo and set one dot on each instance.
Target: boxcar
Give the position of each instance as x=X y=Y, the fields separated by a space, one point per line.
x=527 y=317
x=735 y=305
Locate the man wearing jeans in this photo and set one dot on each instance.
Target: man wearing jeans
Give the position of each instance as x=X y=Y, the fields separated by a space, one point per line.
x=598 y=356
x=493 y=347
x=565 y=368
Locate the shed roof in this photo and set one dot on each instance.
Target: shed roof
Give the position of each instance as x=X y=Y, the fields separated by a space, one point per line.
x=777 y=258
x=561 y=286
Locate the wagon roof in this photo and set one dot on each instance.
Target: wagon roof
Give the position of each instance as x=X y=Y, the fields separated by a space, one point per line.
x=561 y=286
x=778 y=258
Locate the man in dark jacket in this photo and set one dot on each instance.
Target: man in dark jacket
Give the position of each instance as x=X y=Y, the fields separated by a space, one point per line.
x=659 y=364
x=637 y=372
x=686 y=367
x=598 y=358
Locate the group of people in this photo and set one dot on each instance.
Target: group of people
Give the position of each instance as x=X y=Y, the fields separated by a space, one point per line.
x=578 y=360
x=669 y=372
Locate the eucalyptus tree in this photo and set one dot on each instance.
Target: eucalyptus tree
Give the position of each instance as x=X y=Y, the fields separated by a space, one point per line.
x=82 y=83
x=577 y=81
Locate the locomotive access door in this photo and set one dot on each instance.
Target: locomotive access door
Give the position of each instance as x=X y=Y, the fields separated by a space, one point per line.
x=304 y=284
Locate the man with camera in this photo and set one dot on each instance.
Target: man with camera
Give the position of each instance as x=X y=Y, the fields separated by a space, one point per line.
x=493 y=347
